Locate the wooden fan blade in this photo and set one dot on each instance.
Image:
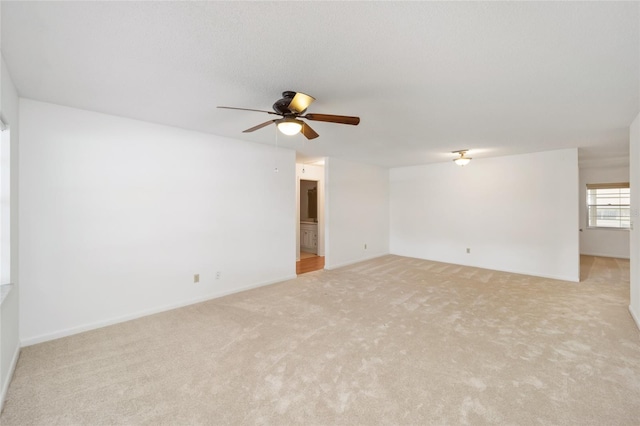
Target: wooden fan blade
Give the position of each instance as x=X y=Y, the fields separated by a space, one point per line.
x=259 y=126
x=341 y=119
x=300 y=102
x=248 y=109
x=308 y=132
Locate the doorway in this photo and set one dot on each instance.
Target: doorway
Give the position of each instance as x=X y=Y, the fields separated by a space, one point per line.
x=308 y=218
x=310 y=214
x=5 y=204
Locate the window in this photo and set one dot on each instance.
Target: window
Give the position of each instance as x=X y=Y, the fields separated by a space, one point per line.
x=608 y=205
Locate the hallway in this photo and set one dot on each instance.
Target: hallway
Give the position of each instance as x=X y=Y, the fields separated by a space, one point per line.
x=309 y=262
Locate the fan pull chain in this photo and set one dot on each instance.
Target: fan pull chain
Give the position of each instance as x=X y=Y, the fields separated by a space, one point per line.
x=275 y=169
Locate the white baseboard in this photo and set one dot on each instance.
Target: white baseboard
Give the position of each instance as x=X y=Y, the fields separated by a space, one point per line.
x=111 y=321
x=531 y=274
x=12 y=369
x=635 y=317
x=574 y=279
x=351 y=262
x=604 y=255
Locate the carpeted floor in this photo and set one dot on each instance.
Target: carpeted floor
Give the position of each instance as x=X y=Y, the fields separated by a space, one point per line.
x=388 y=341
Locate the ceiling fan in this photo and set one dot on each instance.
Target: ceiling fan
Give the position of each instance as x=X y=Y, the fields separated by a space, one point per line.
x=291 y=108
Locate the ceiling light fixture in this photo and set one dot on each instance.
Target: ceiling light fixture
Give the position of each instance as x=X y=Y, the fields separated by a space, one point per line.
x=462 y=160
x=289 y=126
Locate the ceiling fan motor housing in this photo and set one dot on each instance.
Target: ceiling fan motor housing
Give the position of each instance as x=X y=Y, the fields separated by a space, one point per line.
x=282 y=105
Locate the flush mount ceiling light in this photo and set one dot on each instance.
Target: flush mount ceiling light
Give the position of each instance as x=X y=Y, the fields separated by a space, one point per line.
x=462 y=160
x=289 y=126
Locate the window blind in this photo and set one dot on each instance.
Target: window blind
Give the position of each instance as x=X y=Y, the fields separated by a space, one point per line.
x=609 y=205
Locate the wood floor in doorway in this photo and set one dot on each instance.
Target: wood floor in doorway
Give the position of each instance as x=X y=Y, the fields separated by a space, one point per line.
x=309 y=263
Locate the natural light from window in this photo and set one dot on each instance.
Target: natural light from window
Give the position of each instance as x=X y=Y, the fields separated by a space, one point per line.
x=608 y=206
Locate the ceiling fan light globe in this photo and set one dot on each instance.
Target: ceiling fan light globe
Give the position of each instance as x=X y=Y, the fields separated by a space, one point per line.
x=290 y=127
x=462 y=161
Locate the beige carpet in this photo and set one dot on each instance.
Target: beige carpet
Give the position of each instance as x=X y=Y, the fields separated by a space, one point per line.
x=389 y=341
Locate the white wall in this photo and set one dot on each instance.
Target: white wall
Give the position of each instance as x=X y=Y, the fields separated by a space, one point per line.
x=602 y=242
x=117 y=215
x=634 y=156
x=357 y=207
x=9 y=316
x=517 y=213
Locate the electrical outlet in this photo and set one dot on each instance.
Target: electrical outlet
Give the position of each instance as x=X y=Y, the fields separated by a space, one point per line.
x=468 y=250
x=196 y=278
x=218 y=275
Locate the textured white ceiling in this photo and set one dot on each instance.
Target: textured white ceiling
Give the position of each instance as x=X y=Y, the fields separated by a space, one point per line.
x=426 y=78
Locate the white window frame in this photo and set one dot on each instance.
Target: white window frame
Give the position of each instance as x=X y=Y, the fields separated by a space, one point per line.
x=593 y=206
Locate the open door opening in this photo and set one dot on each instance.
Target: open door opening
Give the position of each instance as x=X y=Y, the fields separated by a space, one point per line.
x=310 y=225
